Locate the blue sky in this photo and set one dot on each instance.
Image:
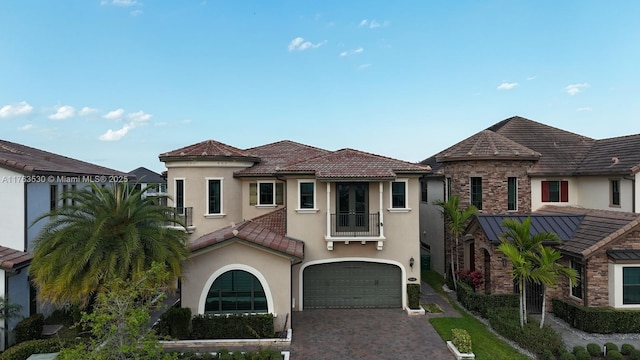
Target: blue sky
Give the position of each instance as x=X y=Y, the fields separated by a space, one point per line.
x=116 y=82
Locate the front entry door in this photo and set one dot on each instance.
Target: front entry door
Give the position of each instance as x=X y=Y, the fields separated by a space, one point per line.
x=353 y=206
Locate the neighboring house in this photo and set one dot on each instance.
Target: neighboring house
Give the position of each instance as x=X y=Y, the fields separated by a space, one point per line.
x=31 y=182
x=286 y=227
x=583 y=189
x=518 y=166
x=145 y=177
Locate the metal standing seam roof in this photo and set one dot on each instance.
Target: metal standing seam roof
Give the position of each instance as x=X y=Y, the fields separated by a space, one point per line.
x=565 y=226
x=622 y=255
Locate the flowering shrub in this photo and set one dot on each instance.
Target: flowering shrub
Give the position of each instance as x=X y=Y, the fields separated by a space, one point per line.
x=473 y=278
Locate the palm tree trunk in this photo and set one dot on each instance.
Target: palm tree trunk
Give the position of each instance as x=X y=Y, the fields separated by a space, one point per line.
x=524 y=302
x=544 y=305
x=521 y=309
x=453 y=271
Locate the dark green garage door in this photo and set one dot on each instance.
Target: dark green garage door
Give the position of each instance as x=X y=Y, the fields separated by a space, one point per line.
x=352 y=284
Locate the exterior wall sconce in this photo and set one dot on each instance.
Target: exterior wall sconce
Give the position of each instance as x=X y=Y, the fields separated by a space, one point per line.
x=411 y=262
x=504 y=262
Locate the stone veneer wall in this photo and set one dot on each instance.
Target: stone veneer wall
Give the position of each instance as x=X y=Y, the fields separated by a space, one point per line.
x=494 y=174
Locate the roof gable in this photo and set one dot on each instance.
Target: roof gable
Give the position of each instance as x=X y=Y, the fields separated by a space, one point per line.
x=354 y=164
x=487 y=145
x=31 y=160
x=278 y=155
x=147 y=176
x=207 y=150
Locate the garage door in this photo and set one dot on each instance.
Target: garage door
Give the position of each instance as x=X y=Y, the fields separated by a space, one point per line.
x=352 y=284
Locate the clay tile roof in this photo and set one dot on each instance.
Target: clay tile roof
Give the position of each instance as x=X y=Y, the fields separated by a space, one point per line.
x=354 y=164
x=619 y=155
x=487 y=145
x=561 y=151
x=207 y=150
x=258 y=232
x=147 y=176
x=597 y=230
x=12 y=259
x=30 y=160
x=278 y=155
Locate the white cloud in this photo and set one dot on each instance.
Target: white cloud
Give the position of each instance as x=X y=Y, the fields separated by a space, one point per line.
x=372 y=24
x=122 y=3
x=586 y=108
x=11 y=110
x=114 y=115
x=186 y=121
x=26 y=127
x=301 y=45
x=507 y=86
x=63 y=112
x=576 y=88
x=364 y=22
x=116 y=135
x=87 y=111
x=364 y=66
x=352 y=52
x=139 y=116
x=136 y=12
x=532 y=77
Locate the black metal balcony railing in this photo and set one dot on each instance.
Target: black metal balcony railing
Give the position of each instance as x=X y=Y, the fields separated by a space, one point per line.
x=355 y=225
x=183 y=215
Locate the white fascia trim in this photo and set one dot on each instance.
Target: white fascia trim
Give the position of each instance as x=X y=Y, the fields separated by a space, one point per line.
x=243 y=267
x=206 y=185
x=364 y=259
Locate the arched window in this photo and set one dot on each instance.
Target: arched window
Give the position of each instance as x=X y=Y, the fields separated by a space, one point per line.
x=236 y=291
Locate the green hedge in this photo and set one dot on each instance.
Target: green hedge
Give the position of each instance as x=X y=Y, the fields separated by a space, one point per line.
x=413 y=292
x=25 y=349
x=597 y=320
x=175 y=323
x=482 y=303
x=506 y=322
x=233 y=326
x=29 y=328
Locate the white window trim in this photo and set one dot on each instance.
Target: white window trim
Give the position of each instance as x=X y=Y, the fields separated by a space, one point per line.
x=210 y=215
x=615 y=292
x=406 y=196
x=315 y=198
x=175 y=192
x=571 y=262
x=258 y=203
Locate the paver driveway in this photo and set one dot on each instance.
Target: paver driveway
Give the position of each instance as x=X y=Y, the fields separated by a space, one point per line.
x=371 y=334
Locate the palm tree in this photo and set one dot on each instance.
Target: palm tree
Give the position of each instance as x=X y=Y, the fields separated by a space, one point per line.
x=547 y=261
x=100 y=234
x=521 y=248
x=455 y=220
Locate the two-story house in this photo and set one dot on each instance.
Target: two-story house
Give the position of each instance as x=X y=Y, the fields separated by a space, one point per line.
x=286 y=227
x=147 y=178
x=520 y=167
x=31 y=182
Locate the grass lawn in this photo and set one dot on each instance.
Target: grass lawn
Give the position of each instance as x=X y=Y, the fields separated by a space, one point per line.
x=486 y=346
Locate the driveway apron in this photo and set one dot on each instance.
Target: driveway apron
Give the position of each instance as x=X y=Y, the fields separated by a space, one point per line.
x=371 y=334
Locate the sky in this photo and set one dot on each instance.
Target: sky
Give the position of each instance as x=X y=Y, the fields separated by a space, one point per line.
x=117 y=82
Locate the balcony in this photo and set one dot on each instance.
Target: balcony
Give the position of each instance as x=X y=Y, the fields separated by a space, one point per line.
x=183 y=215
x=355 y=225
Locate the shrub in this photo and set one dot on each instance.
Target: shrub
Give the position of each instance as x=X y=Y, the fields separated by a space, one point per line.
x=27 y=348
x=548 y=355
x=29 y=328
x=582 y=354
x=462 y=340
x=626 y=349
x=413 y=292
x=594 y=349
x=635 y=355
x=597 y=320
x=233 y=326
x=506 y=322
x=614 y=355
x=482 y=303
x=611 y=346
x=175 y=323
x=567 y=356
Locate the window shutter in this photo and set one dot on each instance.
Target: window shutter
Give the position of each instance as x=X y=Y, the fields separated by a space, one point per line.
x=279 y=194
x=564 y=191
x=253 y=194
x=545 y=191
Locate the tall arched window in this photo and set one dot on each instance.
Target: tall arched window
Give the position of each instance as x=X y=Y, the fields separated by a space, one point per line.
x=236 y=291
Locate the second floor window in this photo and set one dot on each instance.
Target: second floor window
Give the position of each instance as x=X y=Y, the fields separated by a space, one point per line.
x=424 y=195
x=266 y=193
x=399 y=194
x=615 y=192
x=512 y=193
x=476 y=192
x=180 y=195
x=214 y=196
x=307 y=192
x=555 y=191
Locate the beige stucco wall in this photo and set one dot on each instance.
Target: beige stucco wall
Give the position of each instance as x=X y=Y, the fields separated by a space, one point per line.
x=252 y=211
x=401 y=232
x=195 y=175
x=273 y=270
x=594 y=193
x=536 y=192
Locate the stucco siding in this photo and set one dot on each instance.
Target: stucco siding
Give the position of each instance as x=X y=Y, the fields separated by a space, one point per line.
x=12 y=218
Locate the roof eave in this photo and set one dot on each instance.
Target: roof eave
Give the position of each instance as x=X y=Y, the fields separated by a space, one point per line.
x=168 y=158
x=487 y=157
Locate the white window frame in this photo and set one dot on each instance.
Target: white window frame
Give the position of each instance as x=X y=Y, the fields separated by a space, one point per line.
x=184 y=193
x=314 y=209
x=273 y=203
x=406 y=196
x=616 y=286
x=580 y=280
x=221 y=213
